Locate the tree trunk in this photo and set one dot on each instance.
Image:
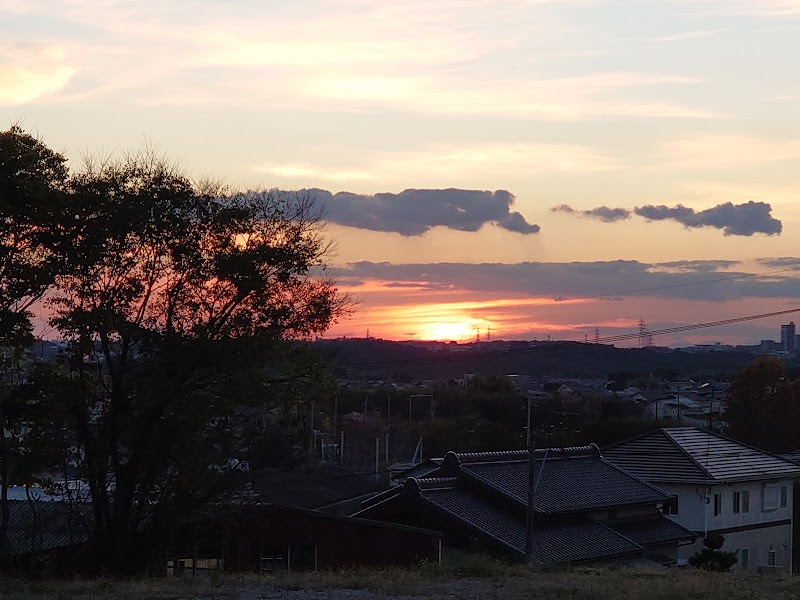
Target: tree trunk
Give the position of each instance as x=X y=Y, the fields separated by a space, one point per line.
x=5 y=511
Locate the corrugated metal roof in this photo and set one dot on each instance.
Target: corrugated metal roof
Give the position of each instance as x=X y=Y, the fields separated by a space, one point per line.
x=692 y=455
x=561 y=540
x=45 y=525
x=652 y=532
x=566 y=485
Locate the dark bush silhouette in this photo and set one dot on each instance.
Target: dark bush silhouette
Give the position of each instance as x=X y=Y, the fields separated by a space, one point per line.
x=711 y=558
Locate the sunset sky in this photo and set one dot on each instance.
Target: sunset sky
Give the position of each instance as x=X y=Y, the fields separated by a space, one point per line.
x=516 y=165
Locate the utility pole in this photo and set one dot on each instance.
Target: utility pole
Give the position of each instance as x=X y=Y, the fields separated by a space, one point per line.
x=388 y=416
x=377 y=456
x=528 y=421
x=531 y=483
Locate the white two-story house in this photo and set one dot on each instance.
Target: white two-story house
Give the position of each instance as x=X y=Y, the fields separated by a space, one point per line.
x=720 y=486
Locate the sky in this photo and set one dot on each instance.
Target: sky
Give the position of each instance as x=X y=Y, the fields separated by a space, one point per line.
x=511 y=167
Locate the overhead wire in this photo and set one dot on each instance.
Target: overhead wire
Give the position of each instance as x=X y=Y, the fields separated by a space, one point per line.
x=549 y=346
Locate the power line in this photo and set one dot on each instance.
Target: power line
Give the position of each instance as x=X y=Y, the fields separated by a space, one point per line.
x=550 y=346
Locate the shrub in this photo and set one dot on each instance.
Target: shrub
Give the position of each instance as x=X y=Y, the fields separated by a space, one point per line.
x=711 y=558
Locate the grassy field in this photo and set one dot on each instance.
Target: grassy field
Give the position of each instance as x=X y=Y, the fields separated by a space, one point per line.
x=483 y=579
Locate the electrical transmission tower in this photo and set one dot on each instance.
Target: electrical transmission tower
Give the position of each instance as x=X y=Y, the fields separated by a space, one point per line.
x=645 y=337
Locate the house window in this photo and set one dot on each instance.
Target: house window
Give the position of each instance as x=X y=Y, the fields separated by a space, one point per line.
x=744 y=558
x=770 y=497
x=784 y=499
x=717 y=504
x=741 y=502
x=671 y=507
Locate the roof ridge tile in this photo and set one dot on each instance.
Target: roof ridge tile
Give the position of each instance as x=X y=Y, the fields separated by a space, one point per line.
x=590 y=450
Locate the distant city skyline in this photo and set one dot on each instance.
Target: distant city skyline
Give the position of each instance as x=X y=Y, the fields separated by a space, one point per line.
x=520 y=165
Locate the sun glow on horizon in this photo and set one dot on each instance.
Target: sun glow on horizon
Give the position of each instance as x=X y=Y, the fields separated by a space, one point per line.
x=453 y=331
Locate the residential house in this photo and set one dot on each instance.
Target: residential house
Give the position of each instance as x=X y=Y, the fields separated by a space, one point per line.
x=261 y=537
x=46 y=536
x=720 y=486
x=586 y=508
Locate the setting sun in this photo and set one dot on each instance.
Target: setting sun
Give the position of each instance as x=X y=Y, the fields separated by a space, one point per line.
x=453 y=330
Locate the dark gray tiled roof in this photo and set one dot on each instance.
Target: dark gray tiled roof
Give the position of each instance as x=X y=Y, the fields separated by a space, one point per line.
x=727 y=460
x=566 y=539
x=652 y=532
x=40 y=526
x=326 y=484
x=485 y=495
x=655 y=458
x=566 y=484
x=692 y=455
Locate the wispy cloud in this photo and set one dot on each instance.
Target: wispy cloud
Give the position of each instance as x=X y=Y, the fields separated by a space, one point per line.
x=449 y=163
x=715 y=151
x=28 y=72
x=788 y=262
x=601 y=213
x=760 y=8
x=683 y=35
x=348 y=56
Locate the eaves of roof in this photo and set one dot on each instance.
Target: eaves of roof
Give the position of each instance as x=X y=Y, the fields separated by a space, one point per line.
x=563 y=539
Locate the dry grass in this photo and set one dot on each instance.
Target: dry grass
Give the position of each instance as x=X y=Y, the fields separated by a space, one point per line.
x=475 y=580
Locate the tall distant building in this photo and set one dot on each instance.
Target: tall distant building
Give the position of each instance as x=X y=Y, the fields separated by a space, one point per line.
x=788 y=338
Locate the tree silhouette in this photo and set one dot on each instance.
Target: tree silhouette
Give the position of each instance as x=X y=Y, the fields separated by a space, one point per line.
x=32 y=183
x=764 y=406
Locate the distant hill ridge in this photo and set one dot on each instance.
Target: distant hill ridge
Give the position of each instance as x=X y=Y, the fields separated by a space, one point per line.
x=420 y=360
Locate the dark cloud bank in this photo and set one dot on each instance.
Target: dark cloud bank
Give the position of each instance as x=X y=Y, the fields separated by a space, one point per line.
x=413 y=212
x=733 y=219
x=693 y=280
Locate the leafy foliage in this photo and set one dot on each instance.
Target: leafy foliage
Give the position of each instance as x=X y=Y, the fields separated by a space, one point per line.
x=764 y=406
x=181 y=304
x=712 y=557
x=32 y=182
